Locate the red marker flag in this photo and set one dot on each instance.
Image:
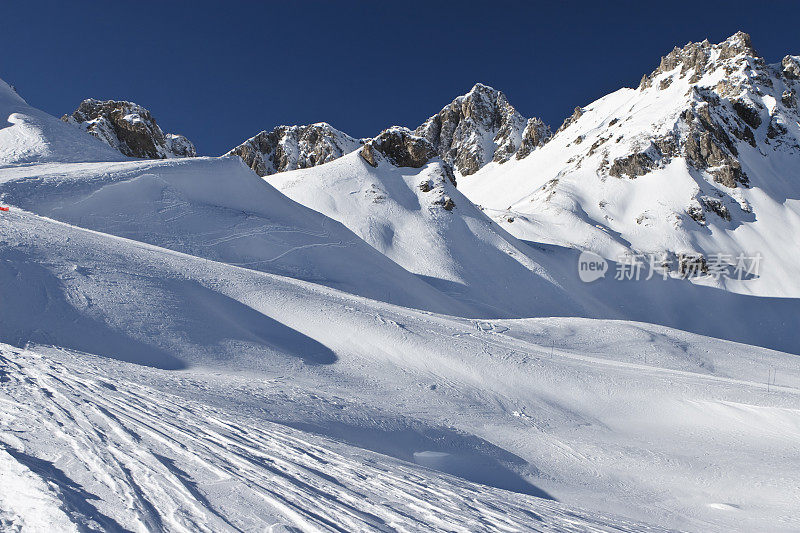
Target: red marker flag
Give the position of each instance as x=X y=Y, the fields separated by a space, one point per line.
x=2 y=208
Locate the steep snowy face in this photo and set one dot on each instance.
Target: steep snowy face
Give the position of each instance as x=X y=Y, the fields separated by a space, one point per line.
x=129 y=128
x=397 y=195
x=480 y=127
x=702 y=158
x=292 y=147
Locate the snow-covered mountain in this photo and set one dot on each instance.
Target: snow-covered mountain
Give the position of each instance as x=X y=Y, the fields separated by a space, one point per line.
x=397 y=195
x=129 y=128
x=353 y=345
x=479 y=127
x=701 y=159
x=473 y=130
x=218 y=209
x=292 y=147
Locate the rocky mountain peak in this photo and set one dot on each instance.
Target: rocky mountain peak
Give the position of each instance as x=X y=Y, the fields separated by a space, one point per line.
x=716 y=116
x=480 y=127
x=129 y=128
x=698 y=59
x=723 y=97
x=293 y=147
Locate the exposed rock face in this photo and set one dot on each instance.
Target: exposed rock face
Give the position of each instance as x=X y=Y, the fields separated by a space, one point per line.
x=403 y=148
x=708 y=147
x=632 y=166
x=481 y=127
x=731 y=98
x=536 y=134
x=789 y=98
x=791 y=67
x=400 y=146
x=292 y=147
x=700 y=58
x=576 y=114
x=129 y=128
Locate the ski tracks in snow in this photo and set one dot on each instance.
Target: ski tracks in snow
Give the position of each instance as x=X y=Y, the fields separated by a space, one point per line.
x=82 y=451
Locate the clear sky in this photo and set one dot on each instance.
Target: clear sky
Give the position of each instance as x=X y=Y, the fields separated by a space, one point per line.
x=220 y=72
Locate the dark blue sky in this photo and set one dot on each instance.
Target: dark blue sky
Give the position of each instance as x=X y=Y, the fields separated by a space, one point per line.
x=221 y=72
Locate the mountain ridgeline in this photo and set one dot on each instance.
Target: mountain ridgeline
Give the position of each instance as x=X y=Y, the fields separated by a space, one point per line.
x=681 y=154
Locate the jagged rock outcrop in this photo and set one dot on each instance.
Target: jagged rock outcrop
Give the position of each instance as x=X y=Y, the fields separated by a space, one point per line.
x=292 y=147
x=400 y=146
x=480 y=127
x=732 y=97
x=791 y=67
x=129 y=128
x=701 y=58
x=570 y=120
x=535 y=135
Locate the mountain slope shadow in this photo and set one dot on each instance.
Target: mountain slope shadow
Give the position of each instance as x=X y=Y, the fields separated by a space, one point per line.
x=36 y=309
x=40 y=308
x=445 y=450
x=216 y=317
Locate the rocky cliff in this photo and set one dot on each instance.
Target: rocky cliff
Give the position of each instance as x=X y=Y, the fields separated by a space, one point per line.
x=480 y=127
x=129 y=128
x=292 y=147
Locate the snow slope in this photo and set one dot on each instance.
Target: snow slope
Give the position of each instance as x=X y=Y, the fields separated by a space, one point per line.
x=401 y=211
x=82 y=455
x=218 y=209
x=471 y=258
x=702 y=158
x=616 y=417
x=28 y=135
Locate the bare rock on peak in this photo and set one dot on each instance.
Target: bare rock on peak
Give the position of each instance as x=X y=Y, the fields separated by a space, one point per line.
x=576 y=114
x=293 y=147
x=400 y=146
x=129 y=128
x=478 y=128
x=700 y=58
x=536 y=134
